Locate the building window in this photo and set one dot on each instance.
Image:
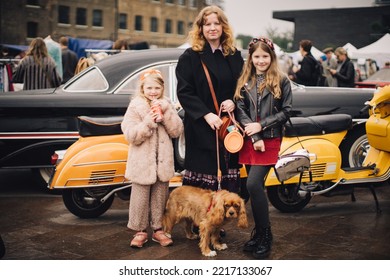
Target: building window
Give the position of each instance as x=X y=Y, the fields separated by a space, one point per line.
x=181 y=2
x=169 y=1
x=138 y=23
x=122 y=21
x=192 y=3
x=180 y=27
x=63 y=14
x=153 y=24
x=32 y=29
x=81 y=16
x=97 y=18
x=168 y=26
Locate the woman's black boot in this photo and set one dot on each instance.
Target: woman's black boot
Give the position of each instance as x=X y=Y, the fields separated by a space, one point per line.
x=264 y=244
x=250 y=245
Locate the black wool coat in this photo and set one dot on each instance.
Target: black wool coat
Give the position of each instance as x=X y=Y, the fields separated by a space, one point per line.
x=195 y=97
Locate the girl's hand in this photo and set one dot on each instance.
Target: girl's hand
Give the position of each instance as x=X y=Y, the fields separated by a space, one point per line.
x=153 y=115
x=252 y=128
x=213 y=120
x=228 y=106
x=259 y=146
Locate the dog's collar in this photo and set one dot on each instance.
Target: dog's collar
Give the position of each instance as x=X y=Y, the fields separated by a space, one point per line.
x=212 y=202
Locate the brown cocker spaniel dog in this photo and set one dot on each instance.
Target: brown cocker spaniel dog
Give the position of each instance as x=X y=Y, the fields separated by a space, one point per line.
x=208 y=209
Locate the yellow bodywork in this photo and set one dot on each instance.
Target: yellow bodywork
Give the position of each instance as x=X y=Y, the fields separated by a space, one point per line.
x=324 y=167
x=95 y=162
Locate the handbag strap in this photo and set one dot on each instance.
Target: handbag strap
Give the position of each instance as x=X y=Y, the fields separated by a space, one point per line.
x=206 y=71
x=233 y=119
x=299 y=140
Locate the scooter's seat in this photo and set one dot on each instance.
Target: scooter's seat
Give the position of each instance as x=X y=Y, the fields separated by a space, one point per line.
x=97 y=126
x=318 y=125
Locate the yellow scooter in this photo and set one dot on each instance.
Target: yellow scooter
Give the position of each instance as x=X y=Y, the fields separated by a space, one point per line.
x=92 y=170
x=321 y=137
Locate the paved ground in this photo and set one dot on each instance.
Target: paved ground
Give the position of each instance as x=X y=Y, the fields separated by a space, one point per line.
x=36 y=225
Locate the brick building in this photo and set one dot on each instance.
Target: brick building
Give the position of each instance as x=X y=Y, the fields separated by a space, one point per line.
x=164 y=23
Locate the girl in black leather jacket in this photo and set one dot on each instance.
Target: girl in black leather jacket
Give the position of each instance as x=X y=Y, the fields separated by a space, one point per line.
x=263 y=105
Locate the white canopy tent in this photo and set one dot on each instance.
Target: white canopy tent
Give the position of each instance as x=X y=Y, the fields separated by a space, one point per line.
x=378 y=51
x=350 y=49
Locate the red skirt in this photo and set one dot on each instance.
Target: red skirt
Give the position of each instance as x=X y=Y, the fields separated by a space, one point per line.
x=249 y=156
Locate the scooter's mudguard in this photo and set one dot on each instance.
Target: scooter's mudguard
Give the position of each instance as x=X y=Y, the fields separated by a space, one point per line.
x=325 y=157
x=92 y=162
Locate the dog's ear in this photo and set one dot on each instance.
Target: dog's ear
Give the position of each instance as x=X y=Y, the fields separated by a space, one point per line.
x=217 y=214
x=242 y=216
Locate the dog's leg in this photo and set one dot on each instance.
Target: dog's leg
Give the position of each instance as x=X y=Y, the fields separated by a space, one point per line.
x=169 y=221
x=188 y=229
x=204 y=243
x=215 y=241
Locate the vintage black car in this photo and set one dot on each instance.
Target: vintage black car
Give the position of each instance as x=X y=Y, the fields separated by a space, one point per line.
x=36 y=123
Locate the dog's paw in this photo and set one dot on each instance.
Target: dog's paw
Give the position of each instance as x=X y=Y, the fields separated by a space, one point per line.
x=210 y=254
x=221 y=247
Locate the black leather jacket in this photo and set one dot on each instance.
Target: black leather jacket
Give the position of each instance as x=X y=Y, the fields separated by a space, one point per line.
x=273 y=113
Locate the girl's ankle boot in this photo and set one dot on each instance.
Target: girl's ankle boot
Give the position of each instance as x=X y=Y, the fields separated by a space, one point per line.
x=250 y=245
x=264 y=244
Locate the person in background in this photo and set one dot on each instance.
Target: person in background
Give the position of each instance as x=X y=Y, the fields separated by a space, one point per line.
x=120 y=45
x=305 y=74
x=69 y=60
x=37 y=69
x=54 y=50
x=150 y=163
x=345 y=72
x=371 y=67
x=329 y=63
x=212 y=42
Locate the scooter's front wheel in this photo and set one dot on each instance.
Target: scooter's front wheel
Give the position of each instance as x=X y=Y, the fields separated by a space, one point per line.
x=85 y=203
x=286 y=198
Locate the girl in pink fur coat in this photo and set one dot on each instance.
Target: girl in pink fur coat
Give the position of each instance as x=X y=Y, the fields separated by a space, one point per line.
x=150 y=163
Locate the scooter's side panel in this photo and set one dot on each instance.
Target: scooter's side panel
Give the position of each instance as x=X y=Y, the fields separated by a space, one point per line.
x=378 y=132
x=92 y=162
x=325 y=159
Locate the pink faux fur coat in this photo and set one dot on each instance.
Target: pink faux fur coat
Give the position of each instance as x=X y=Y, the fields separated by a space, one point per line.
x=150 y=144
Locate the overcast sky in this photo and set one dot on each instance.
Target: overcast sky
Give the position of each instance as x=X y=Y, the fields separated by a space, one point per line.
x=254 y=17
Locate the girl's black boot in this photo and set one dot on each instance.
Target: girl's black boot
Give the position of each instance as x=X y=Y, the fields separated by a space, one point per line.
x=250 y=245
x=264 y=244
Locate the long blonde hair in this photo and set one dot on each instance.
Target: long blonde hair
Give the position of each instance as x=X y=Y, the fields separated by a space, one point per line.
x=248 y=74
x=37 y=50
x=196 y=34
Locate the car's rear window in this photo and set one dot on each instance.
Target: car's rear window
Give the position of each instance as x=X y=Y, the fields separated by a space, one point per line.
x=91 y=81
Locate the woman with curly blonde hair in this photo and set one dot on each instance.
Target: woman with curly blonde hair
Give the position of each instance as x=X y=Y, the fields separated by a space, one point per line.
x=196 y=36
x=264 y=102
x=212 y=43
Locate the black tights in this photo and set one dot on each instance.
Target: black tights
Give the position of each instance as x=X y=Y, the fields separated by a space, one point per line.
x=259 y=202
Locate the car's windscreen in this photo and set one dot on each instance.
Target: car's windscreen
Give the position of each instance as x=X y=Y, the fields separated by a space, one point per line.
x=91 y=81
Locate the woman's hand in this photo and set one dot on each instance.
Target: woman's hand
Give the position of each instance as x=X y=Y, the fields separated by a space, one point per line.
x=213 y=120
x=252 y=128
x=228 y=106
x=259 y=146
